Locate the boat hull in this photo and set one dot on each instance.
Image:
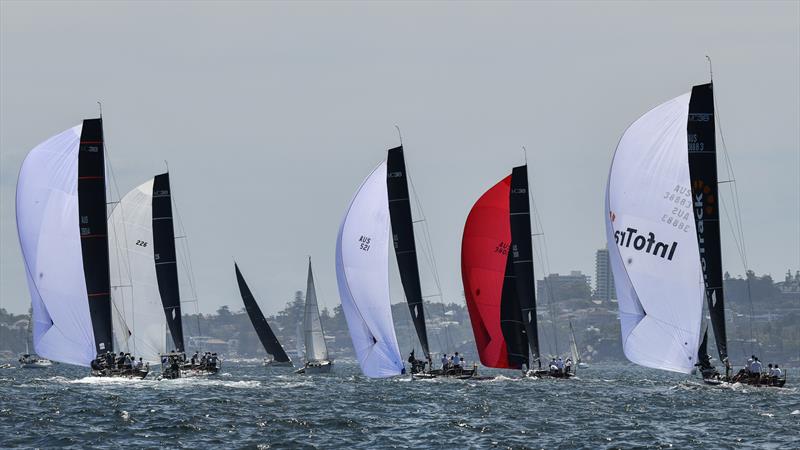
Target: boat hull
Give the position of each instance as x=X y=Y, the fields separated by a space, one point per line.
x=316 y=367
x=549 y=374
x=457 y=373
x=749 y=380
x=129 y=374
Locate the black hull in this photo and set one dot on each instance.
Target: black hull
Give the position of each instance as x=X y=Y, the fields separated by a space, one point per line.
x=459 y=374
x=190 y=372
x=549 y=374
x=129 y=374
x=748 y=380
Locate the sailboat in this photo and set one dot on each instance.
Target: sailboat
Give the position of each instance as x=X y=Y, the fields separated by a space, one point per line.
x=265 y=334
x=662 y=226
x=145 y=287
x=29 y=361
x=63 y=233
x=317 y=358
x=497 y=272
x=406 y=253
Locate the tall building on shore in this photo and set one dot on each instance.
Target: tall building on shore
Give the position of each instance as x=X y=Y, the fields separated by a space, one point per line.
x=603 y=277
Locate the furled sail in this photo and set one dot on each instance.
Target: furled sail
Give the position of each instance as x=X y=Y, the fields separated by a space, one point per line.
x=522 y=255
x=705 y=200
x=484 y=270
x=139 y=325
x=362 y=273
x=403 y=236
x=166 y=258
x=652 y=240
x=316 y=349
x=61 y=222
x=265 y=334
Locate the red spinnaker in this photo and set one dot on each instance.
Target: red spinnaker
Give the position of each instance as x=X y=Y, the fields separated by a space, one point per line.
x=484 y=252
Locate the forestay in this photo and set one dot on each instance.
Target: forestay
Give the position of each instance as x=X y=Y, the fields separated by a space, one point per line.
x=652 y=241
x=139 y=322
x=362 y=273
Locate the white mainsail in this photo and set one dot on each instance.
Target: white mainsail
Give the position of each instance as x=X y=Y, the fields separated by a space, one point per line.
x=139 y=321
x=316 y=350
x=362 y=272
x=49 y=235
x=652 y=241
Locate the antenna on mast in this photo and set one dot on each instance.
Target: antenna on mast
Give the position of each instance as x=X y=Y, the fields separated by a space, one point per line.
x=710 y=69
x=525 y=154
x=100 y=107
x=166 y=164
x=399 y=134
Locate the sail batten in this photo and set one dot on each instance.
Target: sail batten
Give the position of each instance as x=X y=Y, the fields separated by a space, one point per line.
x=362 y=274
x=263 y=330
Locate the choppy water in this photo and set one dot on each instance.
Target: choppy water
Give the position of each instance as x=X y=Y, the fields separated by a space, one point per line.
x=250 y=406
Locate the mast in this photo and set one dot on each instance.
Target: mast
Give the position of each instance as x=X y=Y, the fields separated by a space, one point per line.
x=705 y=205
x=522 y=256
x=94 y=231
x=165 y=258
x=404 y=244
x=265 y=334
x=511 y=322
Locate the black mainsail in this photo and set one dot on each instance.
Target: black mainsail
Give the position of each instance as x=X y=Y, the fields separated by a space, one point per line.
x=511 y=321
x=705 y=200
x=403 y=237
x=265 y=334
x=165 y=258
x=522 y=255
x=94 y=231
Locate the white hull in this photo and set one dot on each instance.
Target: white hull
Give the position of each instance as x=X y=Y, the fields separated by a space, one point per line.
x=315 y=367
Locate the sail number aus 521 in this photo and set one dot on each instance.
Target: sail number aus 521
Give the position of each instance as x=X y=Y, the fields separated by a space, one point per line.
x=364 y=243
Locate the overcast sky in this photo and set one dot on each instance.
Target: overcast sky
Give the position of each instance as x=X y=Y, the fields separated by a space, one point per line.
x=271 y=115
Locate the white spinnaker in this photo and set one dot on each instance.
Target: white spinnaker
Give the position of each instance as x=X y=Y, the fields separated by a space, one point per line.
x=316 y=350
x=362 y=272
x=139 y=321
x=49 y=235
x=660 y=299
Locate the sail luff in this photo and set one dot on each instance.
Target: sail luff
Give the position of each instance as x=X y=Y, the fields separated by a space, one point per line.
x=316 y=349
x=522 y=256
x=165 y=258
x=263 y=330
x=94 y=231
x=702 y=149
x=403 y=237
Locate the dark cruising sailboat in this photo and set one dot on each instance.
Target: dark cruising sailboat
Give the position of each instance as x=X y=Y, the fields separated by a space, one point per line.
x=663 y=230
x=497 y=272
x=63 y=233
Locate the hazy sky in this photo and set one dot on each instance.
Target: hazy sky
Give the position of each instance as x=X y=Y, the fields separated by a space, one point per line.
x=271 y=115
